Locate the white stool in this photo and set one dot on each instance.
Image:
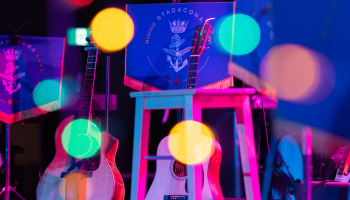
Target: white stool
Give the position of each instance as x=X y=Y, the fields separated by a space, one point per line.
x=193 y=101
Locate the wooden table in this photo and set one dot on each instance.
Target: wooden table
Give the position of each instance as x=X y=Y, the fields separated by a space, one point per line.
x=193 y=101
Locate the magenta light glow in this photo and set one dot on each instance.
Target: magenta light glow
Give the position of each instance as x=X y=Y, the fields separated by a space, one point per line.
x=81 y=2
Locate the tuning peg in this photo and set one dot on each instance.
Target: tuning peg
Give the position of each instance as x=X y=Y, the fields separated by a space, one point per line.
x=206 y=47
x=212 y=31
x=209 y=39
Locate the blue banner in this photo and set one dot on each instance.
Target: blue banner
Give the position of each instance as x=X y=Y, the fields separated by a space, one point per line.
x=158 y=56
x=30 y=77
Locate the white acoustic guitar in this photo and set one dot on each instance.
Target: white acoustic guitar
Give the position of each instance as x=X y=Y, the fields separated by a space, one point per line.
x=91 y=178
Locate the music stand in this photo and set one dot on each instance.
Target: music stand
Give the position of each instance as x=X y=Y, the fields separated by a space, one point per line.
x=40 y=56
x=7 y=189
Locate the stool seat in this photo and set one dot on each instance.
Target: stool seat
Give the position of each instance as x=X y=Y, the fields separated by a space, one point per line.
x=198 y=91
x=193 y=101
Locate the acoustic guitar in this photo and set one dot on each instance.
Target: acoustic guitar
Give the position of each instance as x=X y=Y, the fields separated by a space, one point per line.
x=170 y=181
x=96 y=177
x=342 y=174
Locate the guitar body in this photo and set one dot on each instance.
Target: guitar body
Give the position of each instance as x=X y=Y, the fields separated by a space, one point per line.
x=171 y=181
x=105 y=182
x=344 y=177
x=343 y=174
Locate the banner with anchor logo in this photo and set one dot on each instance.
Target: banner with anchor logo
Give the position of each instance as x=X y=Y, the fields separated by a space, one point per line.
x=23 y=67
x=159 y=55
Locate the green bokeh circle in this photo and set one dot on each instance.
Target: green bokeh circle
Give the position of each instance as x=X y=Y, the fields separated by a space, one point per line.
x=80 y=142
x=246 y=34
x=47 y=91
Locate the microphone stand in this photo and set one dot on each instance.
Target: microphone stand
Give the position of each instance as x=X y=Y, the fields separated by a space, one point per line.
x=107 y=90
x=7 y=189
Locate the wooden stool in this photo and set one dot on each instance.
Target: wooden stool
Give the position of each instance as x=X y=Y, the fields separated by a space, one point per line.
x=193 y=101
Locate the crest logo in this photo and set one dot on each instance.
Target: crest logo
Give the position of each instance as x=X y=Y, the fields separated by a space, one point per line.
x=178 y=26
x=174 y=52
x=9 y=79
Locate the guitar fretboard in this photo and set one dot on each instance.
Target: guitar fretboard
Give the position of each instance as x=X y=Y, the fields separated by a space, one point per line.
x=191 y=84
x=88 y=87
x=192 y=72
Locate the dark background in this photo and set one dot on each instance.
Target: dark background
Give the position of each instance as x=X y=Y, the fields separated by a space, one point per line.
x=52 y=18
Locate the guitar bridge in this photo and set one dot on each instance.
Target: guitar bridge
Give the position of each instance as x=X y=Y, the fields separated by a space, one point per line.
x=175 y=197
x=85 y=174
x=76 y=167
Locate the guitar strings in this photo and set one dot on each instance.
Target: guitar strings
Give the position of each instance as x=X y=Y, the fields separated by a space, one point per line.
x=191 y=83
x=85 y=106
x=178 y=168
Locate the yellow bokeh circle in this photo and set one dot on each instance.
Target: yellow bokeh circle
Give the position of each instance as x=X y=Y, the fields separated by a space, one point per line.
x=190 y=142
x=112 y=29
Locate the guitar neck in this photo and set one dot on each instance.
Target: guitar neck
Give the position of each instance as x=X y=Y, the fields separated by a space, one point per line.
x=192 y=72
x=192 y=75
x=191 y=84
x=88 y=87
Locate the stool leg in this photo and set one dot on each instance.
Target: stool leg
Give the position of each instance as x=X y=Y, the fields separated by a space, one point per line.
x=236 y=161
x=140 y=149
x=193 y=111
x=307 y=151
x=247 y=150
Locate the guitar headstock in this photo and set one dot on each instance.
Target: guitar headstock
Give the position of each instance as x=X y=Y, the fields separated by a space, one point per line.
x=201 y=37
x=91 y=42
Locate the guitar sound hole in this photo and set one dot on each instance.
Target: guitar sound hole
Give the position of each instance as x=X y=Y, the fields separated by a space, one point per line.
x=179 y=169
x=93 y=163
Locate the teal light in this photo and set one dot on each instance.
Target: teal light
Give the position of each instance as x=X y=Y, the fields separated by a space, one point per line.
x=81 y=138
x=246 y=34
x=47 y=91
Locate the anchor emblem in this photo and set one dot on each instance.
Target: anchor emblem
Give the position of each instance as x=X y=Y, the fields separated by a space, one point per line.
x=176 y=42
x=174 y=56
x=9 y=79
